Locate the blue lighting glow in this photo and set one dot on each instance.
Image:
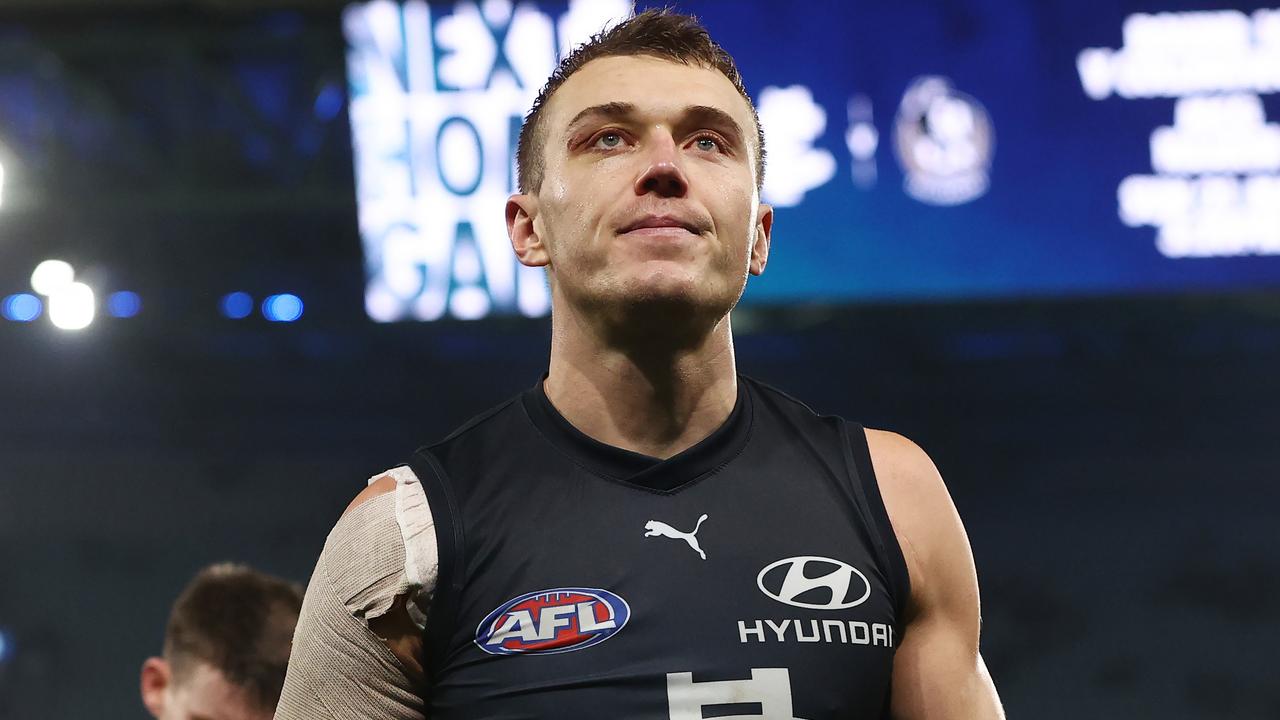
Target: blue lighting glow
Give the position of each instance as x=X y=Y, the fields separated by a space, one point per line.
x=282 y=308
x=22 y=307
x=329 y=102
x=123 y=304
x=1100 y=168
x=4 y=647
x=236 y=305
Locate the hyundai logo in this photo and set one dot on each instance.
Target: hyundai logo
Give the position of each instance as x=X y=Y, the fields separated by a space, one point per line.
x=823 y=583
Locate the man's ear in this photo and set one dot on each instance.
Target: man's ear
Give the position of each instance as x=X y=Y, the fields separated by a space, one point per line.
x=525 y=240
x=156 y=678
x=760 y=248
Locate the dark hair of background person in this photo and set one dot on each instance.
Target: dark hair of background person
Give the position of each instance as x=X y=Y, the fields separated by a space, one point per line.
x=239 y=621
x=659 y=33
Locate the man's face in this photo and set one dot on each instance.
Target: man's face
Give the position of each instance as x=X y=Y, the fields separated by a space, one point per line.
x=649 y=191
x=204 y=694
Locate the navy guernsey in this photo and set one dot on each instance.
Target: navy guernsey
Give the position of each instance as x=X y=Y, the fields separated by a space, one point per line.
x=754 y=575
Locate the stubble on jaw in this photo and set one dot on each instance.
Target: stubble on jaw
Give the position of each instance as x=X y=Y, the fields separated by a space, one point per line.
x=623 y=298
x=648 y=315
x=624 y=307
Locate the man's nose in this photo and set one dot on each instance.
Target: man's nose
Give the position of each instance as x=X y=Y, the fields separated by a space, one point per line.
x=663 y=174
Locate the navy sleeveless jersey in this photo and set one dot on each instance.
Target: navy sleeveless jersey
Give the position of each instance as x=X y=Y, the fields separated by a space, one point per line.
x=752 y=575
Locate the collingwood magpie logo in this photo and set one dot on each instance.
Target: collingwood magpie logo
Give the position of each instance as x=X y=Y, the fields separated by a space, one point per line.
x=816 y=583
x=945 y=142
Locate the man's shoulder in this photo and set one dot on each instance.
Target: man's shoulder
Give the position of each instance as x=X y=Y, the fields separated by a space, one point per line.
x=491 y=422
x=920 y=508
x=478 y=423
x=901 y=457
x=381 y=485
x=782 y=400
x=909 y=481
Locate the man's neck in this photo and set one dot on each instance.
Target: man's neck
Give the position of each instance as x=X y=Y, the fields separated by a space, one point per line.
x=650 y=400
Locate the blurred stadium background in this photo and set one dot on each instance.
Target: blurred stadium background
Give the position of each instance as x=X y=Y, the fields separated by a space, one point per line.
x=1040 y=238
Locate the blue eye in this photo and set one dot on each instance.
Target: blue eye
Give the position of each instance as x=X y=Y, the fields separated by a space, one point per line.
x=708 y=144
x=609 y=140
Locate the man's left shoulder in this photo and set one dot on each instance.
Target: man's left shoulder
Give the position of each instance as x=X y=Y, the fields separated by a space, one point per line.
x=920 y=508
x=901 y=462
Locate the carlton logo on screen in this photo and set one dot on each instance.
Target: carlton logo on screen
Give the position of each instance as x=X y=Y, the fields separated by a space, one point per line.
x=817 y=583
x=553 y=621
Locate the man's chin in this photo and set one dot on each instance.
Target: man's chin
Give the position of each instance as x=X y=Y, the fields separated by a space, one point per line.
x=672 y=293
x=665 y=290
x=672 y=301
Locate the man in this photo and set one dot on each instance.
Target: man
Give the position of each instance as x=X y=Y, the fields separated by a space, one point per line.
x=645 y=534
x=225 y=648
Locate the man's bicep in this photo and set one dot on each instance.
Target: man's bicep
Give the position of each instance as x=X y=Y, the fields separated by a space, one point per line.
x=358 y=648
x=938 y=674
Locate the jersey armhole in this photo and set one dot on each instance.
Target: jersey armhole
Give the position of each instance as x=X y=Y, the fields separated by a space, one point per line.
x=886 y=540
x=442 y=616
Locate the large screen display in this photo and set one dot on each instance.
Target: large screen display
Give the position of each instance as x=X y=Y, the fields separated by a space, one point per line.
x=928 y=150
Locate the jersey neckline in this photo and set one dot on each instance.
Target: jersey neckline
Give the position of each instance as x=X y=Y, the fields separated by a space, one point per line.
x=634 y=468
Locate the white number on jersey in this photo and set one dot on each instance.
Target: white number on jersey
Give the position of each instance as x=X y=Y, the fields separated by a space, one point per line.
x=768 y=687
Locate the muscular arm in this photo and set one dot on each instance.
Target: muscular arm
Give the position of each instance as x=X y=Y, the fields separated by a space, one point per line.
x=356 y=651
x=938 y=672
x=395 y=628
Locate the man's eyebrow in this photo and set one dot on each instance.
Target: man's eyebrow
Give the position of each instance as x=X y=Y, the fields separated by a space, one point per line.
x=707 y=116
x=700 y=115
x=607 y=111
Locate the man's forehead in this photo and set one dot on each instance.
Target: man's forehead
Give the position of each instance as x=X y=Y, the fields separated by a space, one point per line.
x=653 y=86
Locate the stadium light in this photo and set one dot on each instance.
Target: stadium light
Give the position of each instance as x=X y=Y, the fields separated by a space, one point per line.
x=123 y=304
x=51 y=276
x=282 y=308
x=72 y=307
x=23 y=307
x=237 y=305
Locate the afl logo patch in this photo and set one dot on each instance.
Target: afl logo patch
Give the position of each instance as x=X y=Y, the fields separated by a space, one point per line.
x=817 y=583
x=552 y=621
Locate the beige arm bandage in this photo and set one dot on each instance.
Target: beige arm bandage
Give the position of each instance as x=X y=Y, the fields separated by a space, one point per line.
x=338 y=668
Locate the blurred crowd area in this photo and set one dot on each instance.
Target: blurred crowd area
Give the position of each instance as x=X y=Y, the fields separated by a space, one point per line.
x=1114 y=458
x=1114 y=463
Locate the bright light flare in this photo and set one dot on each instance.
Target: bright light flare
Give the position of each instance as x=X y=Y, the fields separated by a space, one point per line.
x=72 y=307
x=282 y=308
x=23 y=307
x=237 y=305
x=123 y=304
x=51 y=277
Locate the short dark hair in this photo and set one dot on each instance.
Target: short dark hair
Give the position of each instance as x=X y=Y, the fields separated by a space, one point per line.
x=239 y=621
x=659 y=33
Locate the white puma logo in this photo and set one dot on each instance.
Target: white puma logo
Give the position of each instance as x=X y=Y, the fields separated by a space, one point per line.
x=657 y=528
